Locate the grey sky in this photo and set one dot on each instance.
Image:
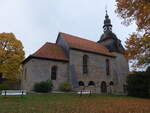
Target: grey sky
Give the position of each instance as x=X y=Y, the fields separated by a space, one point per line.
x=35 y=22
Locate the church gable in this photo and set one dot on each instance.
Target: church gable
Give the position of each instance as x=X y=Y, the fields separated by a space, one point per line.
x=61 y=42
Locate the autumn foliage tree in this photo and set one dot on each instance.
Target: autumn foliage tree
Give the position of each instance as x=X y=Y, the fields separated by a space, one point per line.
x=138 y=49
x=138 y=10
x=11 y=55
x=138 y=44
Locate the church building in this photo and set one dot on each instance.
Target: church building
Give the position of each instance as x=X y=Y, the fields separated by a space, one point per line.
x=98 y=66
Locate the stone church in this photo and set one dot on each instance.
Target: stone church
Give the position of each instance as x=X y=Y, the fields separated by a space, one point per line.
x=98 y=66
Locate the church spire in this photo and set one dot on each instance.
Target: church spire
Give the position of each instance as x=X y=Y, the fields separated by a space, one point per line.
x=109 y=39
x=107 y=24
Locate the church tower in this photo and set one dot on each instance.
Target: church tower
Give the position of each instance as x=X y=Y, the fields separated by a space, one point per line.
x=120 y=63
x=109 y=39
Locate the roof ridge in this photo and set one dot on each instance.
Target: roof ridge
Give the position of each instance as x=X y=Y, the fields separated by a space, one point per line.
x=50 y=43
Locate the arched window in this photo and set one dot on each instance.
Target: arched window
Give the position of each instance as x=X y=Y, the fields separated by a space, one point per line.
x=85 y=66
x=107 y=67
x=91 y=83
x=111 y=83
x=53 y=73
x=81 y=83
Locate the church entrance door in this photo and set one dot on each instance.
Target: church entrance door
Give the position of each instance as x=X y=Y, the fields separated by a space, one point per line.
x=103 y=87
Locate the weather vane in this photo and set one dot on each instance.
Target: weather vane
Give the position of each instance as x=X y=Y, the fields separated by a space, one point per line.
x=106 y=8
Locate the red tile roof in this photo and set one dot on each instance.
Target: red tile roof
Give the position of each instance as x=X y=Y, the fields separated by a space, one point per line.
x=51 y=51
x=55 y=52
x=85 y=45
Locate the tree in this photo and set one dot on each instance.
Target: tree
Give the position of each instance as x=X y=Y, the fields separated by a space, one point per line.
x=138 y=44
x=11 y=55
x=138 y=10
x=138 y=49
x=138 y=84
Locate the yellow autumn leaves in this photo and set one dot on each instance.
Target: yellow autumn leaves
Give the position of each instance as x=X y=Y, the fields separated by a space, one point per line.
x=11 y=55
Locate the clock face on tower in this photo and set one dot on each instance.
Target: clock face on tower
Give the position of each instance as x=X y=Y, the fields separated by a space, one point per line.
x=110 y=28
x=105 y=28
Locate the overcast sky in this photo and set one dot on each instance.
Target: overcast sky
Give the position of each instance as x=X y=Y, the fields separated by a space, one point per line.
x=36 y=22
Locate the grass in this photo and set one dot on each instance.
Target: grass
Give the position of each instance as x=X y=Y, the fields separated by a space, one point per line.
x=72 y=103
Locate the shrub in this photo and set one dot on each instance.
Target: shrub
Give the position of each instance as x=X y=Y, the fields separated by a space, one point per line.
x=148 y=69
x=44 y=86
x=65 y=86
x=138 y=84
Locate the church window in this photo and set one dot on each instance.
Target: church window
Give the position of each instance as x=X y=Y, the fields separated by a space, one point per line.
x=81 y=83
x=107 y=67
x=25 y=73
x=91 y=83
x=111 y=83
x=53 y=73
x=85 y=67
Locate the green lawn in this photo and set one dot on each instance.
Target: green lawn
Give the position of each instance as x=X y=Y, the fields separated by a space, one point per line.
x=72 y=103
